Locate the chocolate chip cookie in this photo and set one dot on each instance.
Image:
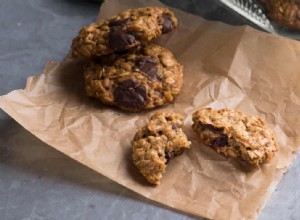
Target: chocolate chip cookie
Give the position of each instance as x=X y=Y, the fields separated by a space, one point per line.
x=283 y=12
x=142 y=78
x=124 y=31
x=157 y=143
x=235 y=135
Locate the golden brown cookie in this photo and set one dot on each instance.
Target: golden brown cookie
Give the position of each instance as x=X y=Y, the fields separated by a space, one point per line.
x=157 y=143
x=283 y=12
x=235 y=135
x=142 y=78
x=124 y=31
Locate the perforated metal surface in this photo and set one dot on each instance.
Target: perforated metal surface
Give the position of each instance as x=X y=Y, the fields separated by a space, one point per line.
x=252 y=11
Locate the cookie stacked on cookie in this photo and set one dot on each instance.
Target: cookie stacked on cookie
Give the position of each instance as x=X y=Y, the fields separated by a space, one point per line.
x=126 y=70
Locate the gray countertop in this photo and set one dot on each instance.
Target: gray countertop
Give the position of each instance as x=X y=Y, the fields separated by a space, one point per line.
x=39 y=183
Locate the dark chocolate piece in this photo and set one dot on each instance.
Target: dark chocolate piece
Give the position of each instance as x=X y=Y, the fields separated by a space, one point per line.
x=175 y=127
x=167 y=24
x=147 y=65
x=119 y=39
x=130 y=95
x=169 y=156
x=221 y=141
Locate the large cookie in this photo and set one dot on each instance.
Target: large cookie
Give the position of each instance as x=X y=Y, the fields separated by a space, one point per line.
x=157 y=143
x=283 y=12
x=124 y=31
x=142 y=78
x=235 y=135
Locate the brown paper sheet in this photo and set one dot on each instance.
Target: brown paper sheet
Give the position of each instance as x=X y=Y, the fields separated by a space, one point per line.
x=225 y=66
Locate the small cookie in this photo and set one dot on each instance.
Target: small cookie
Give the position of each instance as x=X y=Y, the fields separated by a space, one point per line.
x=283 y=12
x=142 y=78
x=235 y=135
x=157 y=143
x=124 y=31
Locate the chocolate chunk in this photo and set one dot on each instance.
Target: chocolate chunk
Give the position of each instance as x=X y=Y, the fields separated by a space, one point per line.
x=167 y=24
x=169 y=156
x=120 y=40
x=175 y=127
x=147 y=65
x=220 y=141
x=211 y=128
x=130 y=94
x=118 y=23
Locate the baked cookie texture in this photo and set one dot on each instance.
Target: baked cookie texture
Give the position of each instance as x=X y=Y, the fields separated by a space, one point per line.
x=283 y=12
x=235 y=135
x=157 y=143
x=142 y=78
x=124 y=31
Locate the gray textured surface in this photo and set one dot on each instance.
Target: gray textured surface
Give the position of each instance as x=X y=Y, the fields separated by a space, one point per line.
x=36 y=181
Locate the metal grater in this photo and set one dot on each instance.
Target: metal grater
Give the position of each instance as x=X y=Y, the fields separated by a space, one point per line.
x=252 y=11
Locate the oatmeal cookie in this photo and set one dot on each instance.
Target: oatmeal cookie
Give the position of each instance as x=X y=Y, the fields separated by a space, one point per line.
x=142 y=78
x=235 y=135
x=283 y=12
x=124 y=31
x=157 y=143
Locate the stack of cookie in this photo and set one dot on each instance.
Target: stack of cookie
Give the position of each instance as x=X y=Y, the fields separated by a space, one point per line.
x=283 y=12
x=126 y=70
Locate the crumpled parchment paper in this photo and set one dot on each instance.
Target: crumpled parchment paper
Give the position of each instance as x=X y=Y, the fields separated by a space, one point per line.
x=224 y=66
